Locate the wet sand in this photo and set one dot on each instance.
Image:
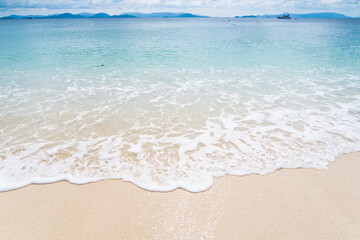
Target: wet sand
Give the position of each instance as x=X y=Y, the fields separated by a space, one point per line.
x=287 y=204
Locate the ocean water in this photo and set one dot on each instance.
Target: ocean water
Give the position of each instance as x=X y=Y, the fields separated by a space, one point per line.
x=168 y=103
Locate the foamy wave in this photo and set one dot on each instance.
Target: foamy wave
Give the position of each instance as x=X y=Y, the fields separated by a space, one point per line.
x=176 y=128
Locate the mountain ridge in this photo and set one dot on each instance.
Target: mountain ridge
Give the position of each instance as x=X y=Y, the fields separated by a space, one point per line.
x=168 y=15
x=105 y=15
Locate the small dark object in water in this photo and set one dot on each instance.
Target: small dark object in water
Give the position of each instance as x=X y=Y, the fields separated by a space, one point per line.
x=285 y=16
x=102 y=65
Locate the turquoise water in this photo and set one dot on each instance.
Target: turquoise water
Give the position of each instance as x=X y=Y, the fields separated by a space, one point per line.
x=169 y=103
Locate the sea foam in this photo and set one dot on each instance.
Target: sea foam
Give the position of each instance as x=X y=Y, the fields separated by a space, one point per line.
x=180 y=133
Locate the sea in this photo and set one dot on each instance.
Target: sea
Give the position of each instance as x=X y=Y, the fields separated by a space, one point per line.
x=175 y=102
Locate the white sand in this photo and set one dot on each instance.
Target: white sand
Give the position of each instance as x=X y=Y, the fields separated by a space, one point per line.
x=287 y=204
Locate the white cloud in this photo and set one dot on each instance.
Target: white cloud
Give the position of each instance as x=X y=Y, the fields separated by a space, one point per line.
x=201 y=6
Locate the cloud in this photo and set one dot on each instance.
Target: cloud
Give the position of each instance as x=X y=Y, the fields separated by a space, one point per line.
x=56 y=4
x=89 y=4
x=251 y=6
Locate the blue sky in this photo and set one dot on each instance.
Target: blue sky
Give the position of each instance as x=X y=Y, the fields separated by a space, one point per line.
x=205 y=7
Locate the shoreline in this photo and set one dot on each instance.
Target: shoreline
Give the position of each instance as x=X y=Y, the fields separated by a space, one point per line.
x=285 y=204
x=76 y=181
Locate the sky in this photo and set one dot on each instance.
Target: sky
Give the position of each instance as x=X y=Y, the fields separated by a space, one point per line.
x=215 y=8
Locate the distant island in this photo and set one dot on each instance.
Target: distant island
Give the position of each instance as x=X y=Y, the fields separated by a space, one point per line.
x=306 y=15
x=164 y=15
x=249 y=16
x=105 y=15
x=167 y=15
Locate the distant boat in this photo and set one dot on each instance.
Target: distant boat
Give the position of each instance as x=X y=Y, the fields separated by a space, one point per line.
x=285 y=16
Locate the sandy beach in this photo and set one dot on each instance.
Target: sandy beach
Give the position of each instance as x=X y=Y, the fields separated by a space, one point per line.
x=287 y=204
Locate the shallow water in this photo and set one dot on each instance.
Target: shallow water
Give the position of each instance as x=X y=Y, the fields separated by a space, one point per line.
x=169 y=103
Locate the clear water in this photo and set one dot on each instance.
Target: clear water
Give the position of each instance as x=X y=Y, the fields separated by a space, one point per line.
x=169 y=103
